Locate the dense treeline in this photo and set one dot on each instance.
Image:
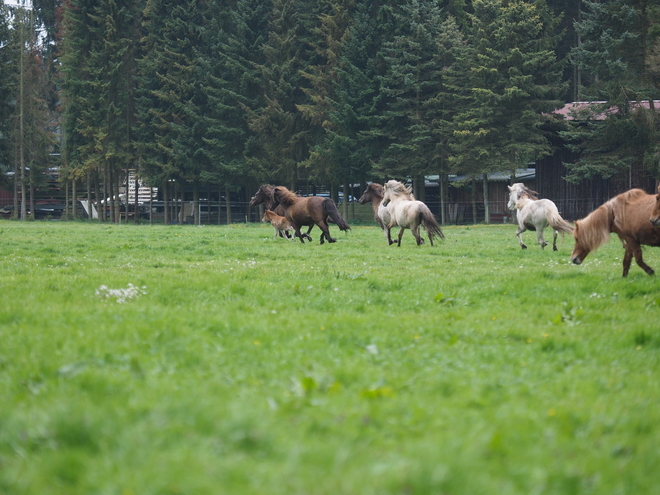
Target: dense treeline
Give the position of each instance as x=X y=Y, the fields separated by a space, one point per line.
x=226 y=95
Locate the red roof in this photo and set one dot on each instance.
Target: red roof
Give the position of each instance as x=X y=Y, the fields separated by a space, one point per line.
x=577 y=110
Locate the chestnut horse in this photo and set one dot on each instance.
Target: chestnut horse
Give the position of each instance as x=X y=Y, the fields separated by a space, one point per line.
x=374 y=194
x=627 y=215
x=279 y=223
x=311 y=210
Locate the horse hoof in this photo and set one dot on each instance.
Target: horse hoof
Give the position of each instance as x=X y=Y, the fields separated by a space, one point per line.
x=523 y=246
x=554 y=248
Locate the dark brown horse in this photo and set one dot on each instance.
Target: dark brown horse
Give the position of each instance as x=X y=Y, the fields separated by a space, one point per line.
x=627 y=215
x=264 y=196
x=311 y=210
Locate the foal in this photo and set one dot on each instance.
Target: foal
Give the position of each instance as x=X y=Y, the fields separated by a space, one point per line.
x=281 y=225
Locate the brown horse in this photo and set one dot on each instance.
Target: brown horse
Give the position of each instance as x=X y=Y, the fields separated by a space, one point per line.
x=279 y=223
x=311 y=210
x=374 y=194
x=264 y=196
x=627 y=215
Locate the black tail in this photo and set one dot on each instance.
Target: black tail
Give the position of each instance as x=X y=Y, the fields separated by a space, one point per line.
x=431 y=224
x=332 y=214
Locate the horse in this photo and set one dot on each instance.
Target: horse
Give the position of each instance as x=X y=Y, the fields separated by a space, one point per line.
x=311 y=210
x=374 y=194
x=264 y=196
x=279 y=223
x=536 y=214
x=406 y=212
x=632 y=216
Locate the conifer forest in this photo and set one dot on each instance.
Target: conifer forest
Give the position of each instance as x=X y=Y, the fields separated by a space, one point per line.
x=227 y=95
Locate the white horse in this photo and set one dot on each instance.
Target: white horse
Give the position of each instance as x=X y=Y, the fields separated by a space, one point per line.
x=406 y=212
x=536 y=214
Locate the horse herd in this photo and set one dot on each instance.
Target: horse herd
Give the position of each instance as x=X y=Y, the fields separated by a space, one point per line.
x=633 y=215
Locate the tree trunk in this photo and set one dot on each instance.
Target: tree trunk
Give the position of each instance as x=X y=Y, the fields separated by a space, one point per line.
x=89 y=196
x=474 y=200
x=486 y=201
x=166 y=202
x=228 y=203
x=74 y=199
x=196 y=219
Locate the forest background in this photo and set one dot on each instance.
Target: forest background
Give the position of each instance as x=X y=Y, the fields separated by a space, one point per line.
x=232 y=94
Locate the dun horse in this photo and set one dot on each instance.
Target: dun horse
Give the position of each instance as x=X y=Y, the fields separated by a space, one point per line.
x=309 y=211
x=536 y=214
x=632 y=215
x=374 y=194
x=406 y=212
x=279 y=223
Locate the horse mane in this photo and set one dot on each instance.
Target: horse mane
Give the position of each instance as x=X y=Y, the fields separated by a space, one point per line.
x=594 y=230
x=400 y=189
x=376 y=188
x=283 y=196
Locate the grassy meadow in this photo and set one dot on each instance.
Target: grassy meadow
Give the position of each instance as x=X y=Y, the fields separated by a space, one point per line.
x=216 y=360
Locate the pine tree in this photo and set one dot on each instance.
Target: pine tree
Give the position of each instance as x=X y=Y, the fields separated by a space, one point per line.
x=171 y=104
x=98 y=54
x=412 y=86
x=7 y=79
x=280 y=132
x=619 y=57
x=230 y=82
x=510 y=77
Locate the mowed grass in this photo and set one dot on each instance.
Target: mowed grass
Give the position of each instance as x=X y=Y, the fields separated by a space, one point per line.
x=215 y=360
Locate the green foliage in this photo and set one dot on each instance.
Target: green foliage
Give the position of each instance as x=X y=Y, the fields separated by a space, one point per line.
x=510 y=75
x=196 y=360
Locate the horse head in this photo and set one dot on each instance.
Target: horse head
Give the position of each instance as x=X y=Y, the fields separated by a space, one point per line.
x=581 y=250
x=263 y=196
x=517 y=191
x=655 y=214
x=373 y=191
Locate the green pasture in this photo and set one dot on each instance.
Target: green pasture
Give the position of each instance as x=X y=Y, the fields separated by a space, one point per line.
x=216 y=360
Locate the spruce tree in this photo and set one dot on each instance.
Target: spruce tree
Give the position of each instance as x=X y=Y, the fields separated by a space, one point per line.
x=619 y=57
x=412 y=86
x=510 y=77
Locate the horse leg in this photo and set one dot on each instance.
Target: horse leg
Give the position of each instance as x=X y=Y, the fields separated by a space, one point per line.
x=277 y=231
x=418 y=237
x=299 y=235
x=518 y=232
x=554 y=240
x=400 y=236
x=388 y=235
x=540 y=239
x=326 y=232
x=309 y=238
x=636 y=251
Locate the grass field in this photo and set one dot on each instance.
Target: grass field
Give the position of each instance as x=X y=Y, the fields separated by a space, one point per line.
x=214 y=360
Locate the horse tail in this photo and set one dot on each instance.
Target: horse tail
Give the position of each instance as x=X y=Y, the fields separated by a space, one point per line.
x=430 y=223
x=331 y=212
x=594 y=229
x=557 y=222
